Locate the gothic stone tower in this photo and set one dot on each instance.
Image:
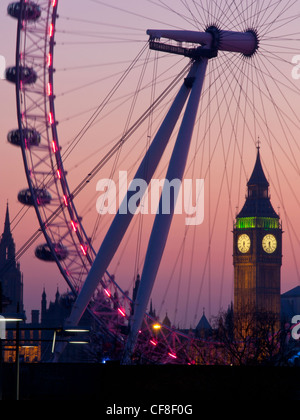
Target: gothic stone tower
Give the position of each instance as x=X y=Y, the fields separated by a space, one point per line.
x=10 y=274
x=257 y=250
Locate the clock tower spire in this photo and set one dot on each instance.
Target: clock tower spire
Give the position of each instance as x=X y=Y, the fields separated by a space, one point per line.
x=257 y=250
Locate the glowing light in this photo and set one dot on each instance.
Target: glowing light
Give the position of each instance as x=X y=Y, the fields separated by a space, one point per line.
x=156 y=326
x=77 y=330
x=51 y=30
x=65 y=200
x=54 y=146
x=58 y=174
x=50 y=118
x=107 y=292
x=121 y=312
x=172 y=355
x=83 y=249
x=73 y=224
x=49 y=89
x=49 y=59
x=54 y=3
x=2 y=319
x=153 y=342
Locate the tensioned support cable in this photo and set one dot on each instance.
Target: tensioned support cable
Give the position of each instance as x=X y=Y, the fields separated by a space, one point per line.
x=123 y=217
x=97 y=167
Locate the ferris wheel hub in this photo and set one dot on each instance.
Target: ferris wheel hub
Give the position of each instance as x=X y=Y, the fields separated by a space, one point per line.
x=29 y=11
x=245 y=43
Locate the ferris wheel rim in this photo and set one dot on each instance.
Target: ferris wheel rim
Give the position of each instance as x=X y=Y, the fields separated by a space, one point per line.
x=33 y=192
x=28 y=173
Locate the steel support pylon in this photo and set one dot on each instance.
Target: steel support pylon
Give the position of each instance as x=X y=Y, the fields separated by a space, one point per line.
x=123 y=218
x=163 y=220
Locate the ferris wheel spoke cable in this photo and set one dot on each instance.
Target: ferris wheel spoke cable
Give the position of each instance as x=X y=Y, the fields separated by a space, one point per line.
x=126 y=98
x=149 y=136
x=185 y=18
x=278 y=188
x=103 y=161
x=271 y=25
x=261 y=117
x=181 y=250
x=262 y=13
x=229 y=178
x=101 y=23
x=84 y=129
x=277 y=164
x=131 y=13
x=99 y=108
x=285 y=129
x=233 y=131
x=169 y=88
x=117 y=156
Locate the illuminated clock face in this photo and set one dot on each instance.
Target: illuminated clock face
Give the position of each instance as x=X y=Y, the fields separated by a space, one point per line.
x=244 y=243
x=269 y=243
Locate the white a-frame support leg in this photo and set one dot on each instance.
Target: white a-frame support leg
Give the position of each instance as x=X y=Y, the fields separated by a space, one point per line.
x=122 y=219
x=162 y=221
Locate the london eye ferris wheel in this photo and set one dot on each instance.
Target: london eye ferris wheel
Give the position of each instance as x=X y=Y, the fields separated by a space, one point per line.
x=187 y=97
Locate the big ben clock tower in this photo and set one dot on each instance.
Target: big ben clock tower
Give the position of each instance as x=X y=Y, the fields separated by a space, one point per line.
x=257 y=250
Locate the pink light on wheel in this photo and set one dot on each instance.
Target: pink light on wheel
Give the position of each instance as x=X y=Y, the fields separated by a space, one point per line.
x=121 y=312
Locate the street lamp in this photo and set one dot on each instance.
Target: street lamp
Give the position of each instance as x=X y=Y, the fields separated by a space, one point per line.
x=67 y=332
x=76 y=330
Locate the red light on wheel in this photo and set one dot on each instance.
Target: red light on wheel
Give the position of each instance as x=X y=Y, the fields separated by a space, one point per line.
x=121 y=312
x=107 y=292
x=65 y=200
x=49 y=89
x=54 y=146
x=51 y=30
x=83 y=249
x=50 y=118
x=172 y=355
x=49 y=59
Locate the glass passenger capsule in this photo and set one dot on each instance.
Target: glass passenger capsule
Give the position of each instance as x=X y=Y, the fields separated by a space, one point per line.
x=31 y=11
x=26 y=74
x=30 y=136
x=43 y=252
x=43 y=197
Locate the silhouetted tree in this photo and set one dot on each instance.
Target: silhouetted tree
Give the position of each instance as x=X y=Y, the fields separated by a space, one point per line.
x=251 y=338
